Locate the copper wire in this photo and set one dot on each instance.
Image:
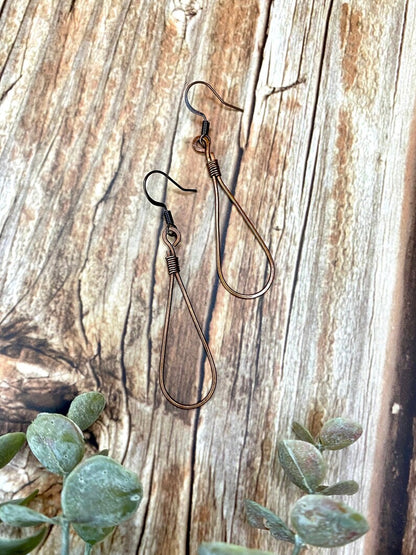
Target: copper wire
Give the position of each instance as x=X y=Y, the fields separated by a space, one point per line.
x=174 y=275
x=203 y=144
x=217 y=182
x=172 y=237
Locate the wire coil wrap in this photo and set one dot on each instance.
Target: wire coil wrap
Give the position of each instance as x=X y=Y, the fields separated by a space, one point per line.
x=214 y=168
x=172 y=264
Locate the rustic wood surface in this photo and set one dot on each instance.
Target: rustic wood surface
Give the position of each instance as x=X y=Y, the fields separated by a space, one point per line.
x=91 y=99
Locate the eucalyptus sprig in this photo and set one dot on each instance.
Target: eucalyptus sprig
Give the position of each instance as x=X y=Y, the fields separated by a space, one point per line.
x=98 y=493
x=316 y=518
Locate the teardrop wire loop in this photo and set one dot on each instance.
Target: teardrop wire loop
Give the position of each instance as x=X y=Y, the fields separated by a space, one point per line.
x=203 y=144
x=172 y=237
x=213 y=169
x=174 y=274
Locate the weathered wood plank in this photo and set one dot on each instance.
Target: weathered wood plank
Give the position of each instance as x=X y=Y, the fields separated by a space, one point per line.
x=400 y=467
x=409 y=540
x=326 y=355
x=91 y=99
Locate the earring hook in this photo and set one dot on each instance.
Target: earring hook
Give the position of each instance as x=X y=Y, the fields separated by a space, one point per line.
x=211 y=88
x=158 y=203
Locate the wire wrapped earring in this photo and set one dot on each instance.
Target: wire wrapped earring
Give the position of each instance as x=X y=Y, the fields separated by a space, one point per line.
x=202 y=143
x=172 y=237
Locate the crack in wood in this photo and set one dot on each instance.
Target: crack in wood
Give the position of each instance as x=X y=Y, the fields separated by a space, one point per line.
x=124 y=374
x=9 y=88
x=283 y=88
x=399 y=57
x=261 y=36
x=12 y=46
x=192 y=469
x=299 y=256
x=147 y=501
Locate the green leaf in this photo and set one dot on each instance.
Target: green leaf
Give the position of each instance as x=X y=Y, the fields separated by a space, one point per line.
x=86 y=408
x=21 y=546
x=302 y=463
x=338 y=433
x=10 y=444
x=92 y=534
x=26 y=500
x=323 y=522
x=219 y=548
x=347 y=487
x=302 y=433
x=100 y=492
x=23 y=500
x=260 y=517
x=56 y=441
x=18 y=515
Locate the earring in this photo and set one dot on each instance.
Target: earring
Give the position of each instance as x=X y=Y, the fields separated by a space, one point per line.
x=172 y=237
x=203 y=144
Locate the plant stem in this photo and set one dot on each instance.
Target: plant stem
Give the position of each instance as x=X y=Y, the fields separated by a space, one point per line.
x=299 y=545
x=65 y=537
x=87 y=549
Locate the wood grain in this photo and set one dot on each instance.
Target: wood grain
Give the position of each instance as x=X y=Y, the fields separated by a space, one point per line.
x=91 y=99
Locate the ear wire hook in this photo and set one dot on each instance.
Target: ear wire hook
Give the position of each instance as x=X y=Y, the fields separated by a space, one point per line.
x=211 y=88
x=172 y=231
x=152 y=200
x=203 y=144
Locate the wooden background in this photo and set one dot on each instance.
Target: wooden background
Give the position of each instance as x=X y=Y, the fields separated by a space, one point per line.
x=91 y=99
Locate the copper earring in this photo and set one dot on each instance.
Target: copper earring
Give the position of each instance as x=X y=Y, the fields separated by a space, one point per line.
x=202 y=143
x=172 y=237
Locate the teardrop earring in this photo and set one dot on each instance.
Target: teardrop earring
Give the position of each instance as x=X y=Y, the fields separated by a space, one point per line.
x=202 y=144
x=172 y=237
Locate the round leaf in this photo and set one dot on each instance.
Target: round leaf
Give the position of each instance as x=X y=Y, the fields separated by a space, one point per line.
x=338 y=433
x=219 y=548
x=100 y=492
x=92 y=534
x=321 y=521
x=10 y=444
x=56 y=442
x=86 y=408
x=303 y=463
x=21 y=546
x=18 y=515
